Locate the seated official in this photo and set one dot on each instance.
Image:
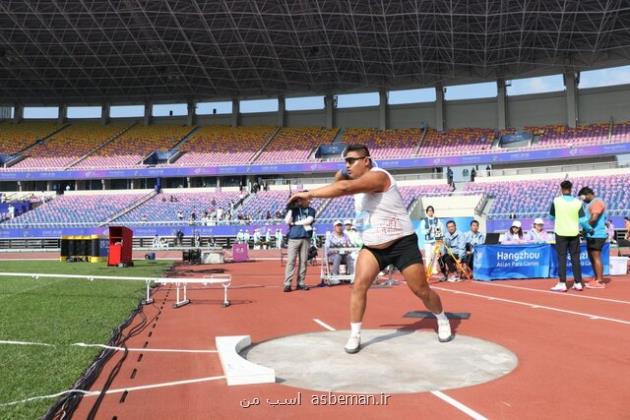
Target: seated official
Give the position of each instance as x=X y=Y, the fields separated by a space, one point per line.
x=339 y=239
x=473 y=238
x=454 y=247
x=353 y=234
x=514 y=235
x=538 y=234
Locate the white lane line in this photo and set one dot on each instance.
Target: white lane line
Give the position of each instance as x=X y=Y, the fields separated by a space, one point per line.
x=323 y=324
x=30 y=343
x=145 y=349
x=550 y=308
x=118 y=390
x=489 y=283
x=25 y=343
x=461 y=407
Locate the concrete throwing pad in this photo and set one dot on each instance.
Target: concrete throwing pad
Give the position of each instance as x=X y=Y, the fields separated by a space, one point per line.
x=390 y=361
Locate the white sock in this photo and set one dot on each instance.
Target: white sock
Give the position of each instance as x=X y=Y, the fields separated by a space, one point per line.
x=355 y=328
x=441 y=316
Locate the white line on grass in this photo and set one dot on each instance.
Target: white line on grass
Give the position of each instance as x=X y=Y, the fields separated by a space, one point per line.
x=118 y=390
x=10 y=295
x=532 y=305
x=472 y=413
x=488 y=283
x=144 y=350
x=323 y=324
x=30 y=343
x=25 y=343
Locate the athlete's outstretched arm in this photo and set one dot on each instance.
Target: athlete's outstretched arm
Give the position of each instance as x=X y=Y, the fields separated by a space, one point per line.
x=371 y=181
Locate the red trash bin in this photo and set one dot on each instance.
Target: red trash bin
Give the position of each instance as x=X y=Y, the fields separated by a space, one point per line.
x=120 y=246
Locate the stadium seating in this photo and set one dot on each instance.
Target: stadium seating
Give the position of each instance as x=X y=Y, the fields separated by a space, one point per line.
x=132 y=146
x=296 y=144
x=223 y=145
x=70 y=144
x=385 y=144
x=533 y=198
x=256 y=206
x=343 y=207
x=160 y=208
x=457 y=141
x=68 y=210
x=15 y=137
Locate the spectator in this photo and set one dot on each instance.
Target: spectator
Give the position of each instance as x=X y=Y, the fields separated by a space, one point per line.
x=145 y=218
x=339 y=239
x=257 y=239
x=300 y=219
x=610 y=230
x=473 y=238
x=488 y=170
x=514 y=235
x=432 y=229
x=454 y=247
x=594 y=226
x=180 y=215
x=213 y=202
x=278 y=238
x=246 y=237
x=240 y=236
x=353 y=235
x=566 y=211
x=473 y=174
x=512 y=215
x=537 y=234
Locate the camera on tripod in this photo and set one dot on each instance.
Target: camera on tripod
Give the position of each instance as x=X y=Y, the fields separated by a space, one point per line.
x=438 y=234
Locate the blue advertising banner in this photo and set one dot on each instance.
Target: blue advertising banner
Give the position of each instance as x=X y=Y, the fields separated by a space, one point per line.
x=585 y=263
x=322 y=167
x=494 y=262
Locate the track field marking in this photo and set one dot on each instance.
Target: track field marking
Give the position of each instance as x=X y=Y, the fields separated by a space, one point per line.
x=323 y=324
x=487 y=283
x=31 y=343
x=464 y=408
x=145 y=349
x=118 y=390
x=25 y=343
x=531 y=305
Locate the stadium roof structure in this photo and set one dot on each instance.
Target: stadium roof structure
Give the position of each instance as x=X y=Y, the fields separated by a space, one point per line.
x=89 y=51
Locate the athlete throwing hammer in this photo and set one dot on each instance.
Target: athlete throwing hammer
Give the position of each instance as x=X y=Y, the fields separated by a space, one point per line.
x=388 y=237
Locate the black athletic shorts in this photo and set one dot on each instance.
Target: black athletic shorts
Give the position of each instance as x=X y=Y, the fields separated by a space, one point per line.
x=401 y=253
x=595 y=244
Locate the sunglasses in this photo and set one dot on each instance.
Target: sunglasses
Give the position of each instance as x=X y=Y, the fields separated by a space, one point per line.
x=351 y=160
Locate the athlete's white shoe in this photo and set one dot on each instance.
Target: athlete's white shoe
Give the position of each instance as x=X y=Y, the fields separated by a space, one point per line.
x=444 y=330
x=353 y=345
x=560 y=287
x=578 y=287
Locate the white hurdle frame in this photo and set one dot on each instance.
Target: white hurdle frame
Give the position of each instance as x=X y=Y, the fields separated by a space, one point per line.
x=224 y=280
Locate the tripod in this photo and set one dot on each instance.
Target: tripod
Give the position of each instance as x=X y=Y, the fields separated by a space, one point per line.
x=437 y=248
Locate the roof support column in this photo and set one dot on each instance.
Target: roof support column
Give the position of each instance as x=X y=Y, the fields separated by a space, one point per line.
x=18 y=113
x=571 y=80
x=439 y=107
x=502 y=111
x=148 y=113
x=236 y=111
x=281 y=111
x=329 y=108
x=105 y=110
x=63 y=114
x=192 y=114
x=382 y=109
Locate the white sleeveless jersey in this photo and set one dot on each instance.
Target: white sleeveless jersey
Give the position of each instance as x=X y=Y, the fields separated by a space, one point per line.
x=382 y=217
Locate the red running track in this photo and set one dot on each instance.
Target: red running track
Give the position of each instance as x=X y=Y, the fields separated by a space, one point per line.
x=573 y=352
